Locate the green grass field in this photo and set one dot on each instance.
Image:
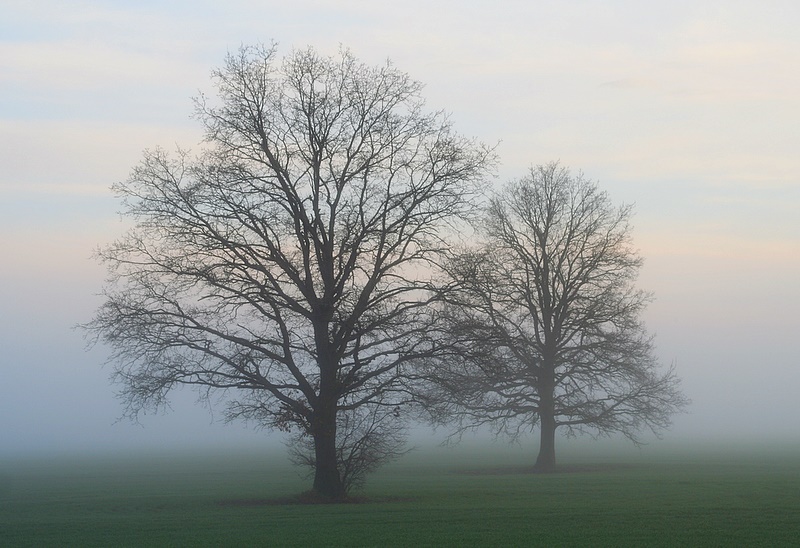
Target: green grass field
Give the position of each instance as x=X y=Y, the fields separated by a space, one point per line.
x=432 y=497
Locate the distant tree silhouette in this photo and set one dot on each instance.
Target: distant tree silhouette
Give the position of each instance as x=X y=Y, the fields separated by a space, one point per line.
x=286 y=268
x=546 y=321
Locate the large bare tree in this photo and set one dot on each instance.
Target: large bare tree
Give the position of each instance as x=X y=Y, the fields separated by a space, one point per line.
x=546 y=320
x=285 y=268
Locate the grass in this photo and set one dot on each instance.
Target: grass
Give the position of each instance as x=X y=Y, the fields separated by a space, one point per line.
x=431 y=498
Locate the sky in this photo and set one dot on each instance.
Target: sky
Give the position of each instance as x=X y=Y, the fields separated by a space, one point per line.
x=688 y=109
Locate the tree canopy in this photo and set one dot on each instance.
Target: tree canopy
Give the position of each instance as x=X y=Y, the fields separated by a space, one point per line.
x=286 y=268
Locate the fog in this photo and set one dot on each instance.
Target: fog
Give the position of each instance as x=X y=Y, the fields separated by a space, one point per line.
x=689 y=112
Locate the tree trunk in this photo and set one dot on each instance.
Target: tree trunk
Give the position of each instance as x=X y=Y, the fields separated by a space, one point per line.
x=546 y=461
x=327 y=481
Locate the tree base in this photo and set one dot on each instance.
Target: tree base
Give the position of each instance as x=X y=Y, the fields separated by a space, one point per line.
x=544 y=468
x=315 y=497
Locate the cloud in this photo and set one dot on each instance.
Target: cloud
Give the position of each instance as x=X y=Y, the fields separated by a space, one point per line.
x=76 y=156
x=84 y=66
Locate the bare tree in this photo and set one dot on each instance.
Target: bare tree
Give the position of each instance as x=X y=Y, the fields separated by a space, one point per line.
x=546 y=320
x=286 y=267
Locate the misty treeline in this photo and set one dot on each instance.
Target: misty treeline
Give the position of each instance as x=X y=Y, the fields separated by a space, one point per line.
x=333 y=263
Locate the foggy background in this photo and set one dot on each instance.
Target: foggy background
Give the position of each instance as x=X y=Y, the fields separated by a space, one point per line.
x=689 y=110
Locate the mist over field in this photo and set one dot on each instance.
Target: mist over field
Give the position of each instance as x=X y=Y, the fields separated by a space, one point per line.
x=690 y=111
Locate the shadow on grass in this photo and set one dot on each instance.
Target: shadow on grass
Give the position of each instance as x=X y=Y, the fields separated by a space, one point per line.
x=308 y=497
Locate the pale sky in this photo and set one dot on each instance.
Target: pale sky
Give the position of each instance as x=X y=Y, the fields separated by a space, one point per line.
x=689 y=109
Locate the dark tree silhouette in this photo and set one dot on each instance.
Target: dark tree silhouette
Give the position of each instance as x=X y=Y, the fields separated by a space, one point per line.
x=285 y=269
x=547 y=321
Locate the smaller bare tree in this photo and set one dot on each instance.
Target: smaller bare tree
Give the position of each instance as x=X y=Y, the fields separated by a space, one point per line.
x=544 y=321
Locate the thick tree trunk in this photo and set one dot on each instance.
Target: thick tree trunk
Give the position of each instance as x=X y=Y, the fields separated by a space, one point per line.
x=327 y=481
x=546 y=461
